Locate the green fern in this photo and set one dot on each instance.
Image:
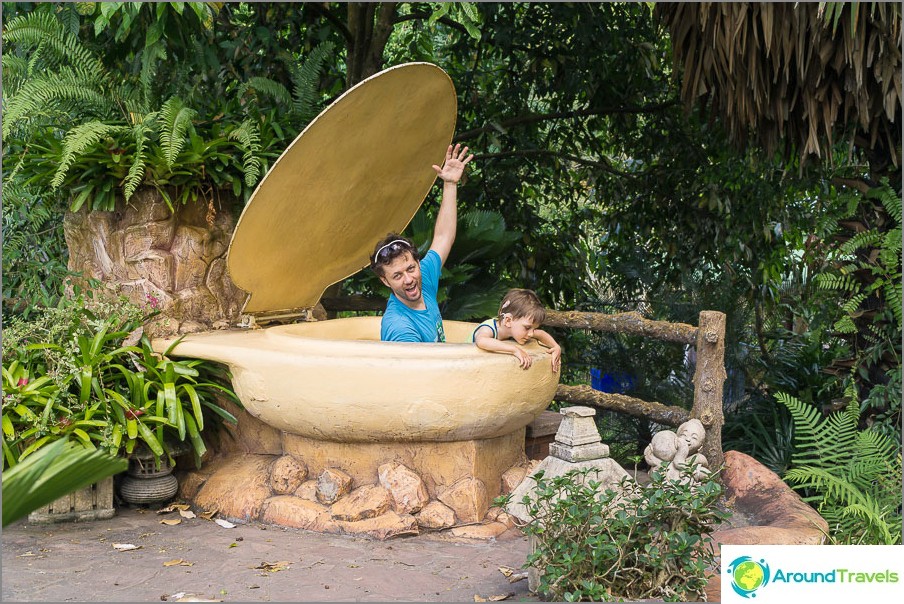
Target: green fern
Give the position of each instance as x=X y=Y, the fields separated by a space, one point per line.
x=77 y=141
x=852 y=477
x=305 y=81
x=248 y=136
x=266 y=86
x=59 y=46
x=175 y=119
x=67 y=87
x=137 y=169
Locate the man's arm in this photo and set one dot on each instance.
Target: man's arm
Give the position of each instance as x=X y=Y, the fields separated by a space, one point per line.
x=447 y=219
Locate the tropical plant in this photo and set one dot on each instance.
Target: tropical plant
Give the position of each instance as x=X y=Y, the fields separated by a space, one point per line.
x=56 y=470
x=86 y=372
x=867 y=276
x=630 y=543
x=851 y=476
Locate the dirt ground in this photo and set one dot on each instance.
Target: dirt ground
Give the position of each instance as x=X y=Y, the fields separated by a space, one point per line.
x=198 y=560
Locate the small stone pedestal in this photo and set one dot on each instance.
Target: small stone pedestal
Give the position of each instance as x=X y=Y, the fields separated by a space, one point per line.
x=578 y=446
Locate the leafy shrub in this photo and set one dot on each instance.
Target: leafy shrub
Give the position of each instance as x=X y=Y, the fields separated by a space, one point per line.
x=631 y=543
x=85 y=371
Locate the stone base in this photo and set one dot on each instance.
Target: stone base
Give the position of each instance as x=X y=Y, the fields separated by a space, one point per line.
x=439 y=464
x=382 y=490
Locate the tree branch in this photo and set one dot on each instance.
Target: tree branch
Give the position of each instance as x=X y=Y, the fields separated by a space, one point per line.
x=322 y=10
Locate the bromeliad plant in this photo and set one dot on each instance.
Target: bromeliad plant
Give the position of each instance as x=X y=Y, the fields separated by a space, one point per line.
x=88 y=374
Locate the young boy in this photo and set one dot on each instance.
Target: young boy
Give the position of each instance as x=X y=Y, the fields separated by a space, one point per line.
x=520 y=315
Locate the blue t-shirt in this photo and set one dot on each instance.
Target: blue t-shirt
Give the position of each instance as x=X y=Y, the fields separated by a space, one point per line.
x=403 y=324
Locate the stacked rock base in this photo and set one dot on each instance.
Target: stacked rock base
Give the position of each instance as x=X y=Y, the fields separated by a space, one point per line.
x=280 y=490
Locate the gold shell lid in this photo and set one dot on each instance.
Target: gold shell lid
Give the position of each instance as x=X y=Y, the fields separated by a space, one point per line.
x=359 y=170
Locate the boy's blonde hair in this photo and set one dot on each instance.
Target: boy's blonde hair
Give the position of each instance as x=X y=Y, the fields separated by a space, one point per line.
x=522 y=303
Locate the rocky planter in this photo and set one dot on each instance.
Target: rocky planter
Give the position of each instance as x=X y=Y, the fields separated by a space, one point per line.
x=171 y=260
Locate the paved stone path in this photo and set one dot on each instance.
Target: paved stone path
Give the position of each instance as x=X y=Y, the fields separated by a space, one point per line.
x=198 y=560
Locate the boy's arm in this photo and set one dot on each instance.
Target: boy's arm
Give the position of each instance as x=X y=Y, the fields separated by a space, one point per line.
x=489 y=343
x=554 y=349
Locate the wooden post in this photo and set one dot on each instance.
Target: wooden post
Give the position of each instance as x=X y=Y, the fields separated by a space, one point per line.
x=709 y=377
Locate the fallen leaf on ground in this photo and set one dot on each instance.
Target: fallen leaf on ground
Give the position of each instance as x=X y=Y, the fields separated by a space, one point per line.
x=178 y=562
x=173 y=507
x=187 y=514
x=506 y=570
x=171 y=521
x=518 y=576
x=224 y=523
x=493 y=598
x=124 y=547
x=273 y=566
x=209 y=514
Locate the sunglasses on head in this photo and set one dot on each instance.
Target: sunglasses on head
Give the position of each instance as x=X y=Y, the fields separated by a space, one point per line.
x=391 y=248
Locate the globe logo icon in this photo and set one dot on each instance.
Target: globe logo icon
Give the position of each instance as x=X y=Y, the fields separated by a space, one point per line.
x=748 y=575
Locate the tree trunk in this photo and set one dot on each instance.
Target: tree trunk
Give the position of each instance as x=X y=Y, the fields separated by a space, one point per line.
x=369 y=26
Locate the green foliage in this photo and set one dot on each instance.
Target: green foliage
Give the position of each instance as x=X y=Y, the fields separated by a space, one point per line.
x=54 y=471
x=630 y=543
x=159 y=113
x=866 y=274
x=851 y=476
x=84 y=371
x=34 y=249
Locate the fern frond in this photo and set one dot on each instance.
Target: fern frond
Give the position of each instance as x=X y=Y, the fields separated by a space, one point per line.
x=821 y=439
x=890 y=252
x=305 y=81
x=892 y=292
x=841 y=283
x=77 y=141
x=853 y=303
x=37 y=95
x=266 y=86
x=149 y=58
x=15 y=70
x=176 y=120
x=45 y=30
x=248 y=136
x=829 y=483
x=860 y=241
x=890 y=200
x=136 y=170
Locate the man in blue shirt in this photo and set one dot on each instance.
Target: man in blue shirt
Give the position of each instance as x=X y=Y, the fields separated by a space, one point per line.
x=412 y=313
